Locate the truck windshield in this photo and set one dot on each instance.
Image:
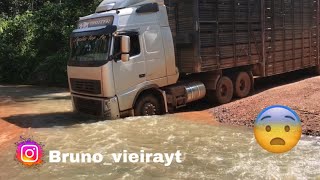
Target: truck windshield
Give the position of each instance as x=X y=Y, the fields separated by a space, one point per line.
x=90 y=48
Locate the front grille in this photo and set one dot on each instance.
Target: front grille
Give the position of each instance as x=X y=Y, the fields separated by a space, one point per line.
x=88 y=106
x=86 y=86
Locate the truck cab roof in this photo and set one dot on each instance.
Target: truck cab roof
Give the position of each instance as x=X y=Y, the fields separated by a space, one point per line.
x=107 y=5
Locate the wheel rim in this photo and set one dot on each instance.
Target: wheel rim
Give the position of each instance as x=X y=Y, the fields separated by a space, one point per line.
x=242 y=85
x=223 y=90
x=149 y=109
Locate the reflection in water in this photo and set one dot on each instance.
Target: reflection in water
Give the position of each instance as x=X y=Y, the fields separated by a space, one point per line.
x=210 y=152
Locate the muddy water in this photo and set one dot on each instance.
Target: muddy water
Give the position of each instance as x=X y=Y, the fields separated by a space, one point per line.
x=209 y=152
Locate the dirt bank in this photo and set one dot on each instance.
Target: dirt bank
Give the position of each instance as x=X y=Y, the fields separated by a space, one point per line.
x=302 y=96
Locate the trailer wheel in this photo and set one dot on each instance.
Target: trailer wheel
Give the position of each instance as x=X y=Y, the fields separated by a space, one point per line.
x=242 y=85
x=147 y=106
x=224 y=91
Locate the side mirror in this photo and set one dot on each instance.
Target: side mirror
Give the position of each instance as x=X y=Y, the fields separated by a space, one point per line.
x=125 y=48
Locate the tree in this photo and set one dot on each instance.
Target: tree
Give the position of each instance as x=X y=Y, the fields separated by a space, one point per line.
x=34 y=38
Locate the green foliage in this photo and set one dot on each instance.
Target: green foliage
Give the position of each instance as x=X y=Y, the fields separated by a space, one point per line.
x=16 y=51
x=34 y=39
x=52 y=70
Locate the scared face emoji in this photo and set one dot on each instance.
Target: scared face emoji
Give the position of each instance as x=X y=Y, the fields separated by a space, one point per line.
x=278 y=129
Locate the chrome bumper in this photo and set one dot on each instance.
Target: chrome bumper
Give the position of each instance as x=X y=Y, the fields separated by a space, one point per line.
x=108 y=108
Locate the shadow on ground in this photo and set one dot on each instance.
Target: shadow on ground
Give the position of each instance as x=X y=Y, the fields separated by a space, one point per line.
x=49 y=120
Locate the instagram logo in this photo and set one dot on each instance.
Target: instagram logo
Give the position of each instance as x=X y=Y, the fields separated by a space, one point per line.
x=29 y=152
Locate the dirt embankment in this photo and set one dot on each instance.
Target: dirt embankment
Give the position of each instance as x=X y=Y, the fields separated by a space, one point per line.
x=302 y=96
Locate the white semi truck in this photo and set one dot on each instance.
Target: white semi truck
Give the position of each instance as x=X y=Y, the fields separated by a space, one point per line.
x=150 y=57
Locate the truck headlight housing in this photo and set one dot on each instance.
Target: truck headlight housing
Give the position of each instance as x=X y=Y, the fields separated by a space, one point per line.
x=107 y=105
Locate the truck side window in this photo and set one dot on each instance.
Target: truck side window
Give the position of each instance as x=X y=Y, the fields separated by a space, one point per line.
x=117 y=47
x=135 y=45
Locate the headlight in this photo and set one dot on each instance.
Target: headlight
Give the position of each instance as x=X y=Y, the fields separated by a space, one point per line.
x=107 y=105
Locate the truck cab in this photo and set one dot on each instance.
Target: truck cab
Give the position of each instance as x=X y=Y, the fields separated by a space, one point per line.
x=118 y=54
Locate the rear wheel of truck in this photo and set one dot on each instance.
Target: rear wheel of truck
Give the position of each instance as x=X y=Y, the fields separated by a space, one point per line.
x=147 y=105
x=224 y=91
x=242 y=85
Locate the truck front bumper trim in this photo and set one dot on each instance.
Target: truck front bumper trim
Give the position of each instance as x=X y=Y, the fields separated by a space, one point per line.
x=108 y=108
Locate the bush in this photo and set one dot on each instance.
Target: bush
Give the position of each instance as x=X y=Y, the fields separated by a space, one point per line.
x=34 y=39
x=16 y=52
x=51 y=71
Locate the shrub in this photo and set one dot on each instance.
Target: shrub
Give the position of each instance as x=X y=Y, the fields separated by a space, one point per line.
x=34 y=39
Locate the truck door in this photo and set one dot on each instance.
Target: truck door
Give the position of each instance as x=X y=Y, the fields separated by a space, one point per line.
x=129 y=74
x=154 y=53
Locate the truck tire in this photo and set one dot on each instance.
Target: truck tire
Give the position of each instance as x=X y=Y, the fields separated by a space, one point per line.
x=242 y=85
x=147 y=105
x=224 y=91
